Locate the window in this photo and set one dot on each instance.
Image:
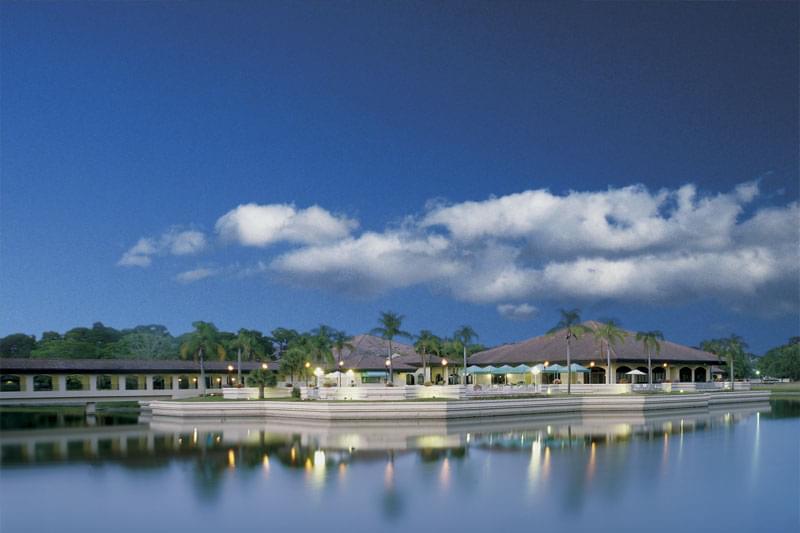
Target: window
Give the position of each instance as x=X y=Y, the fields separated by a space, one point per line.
x=9 y=383
x=75 y=383
x=104 y=383
x=42 y=383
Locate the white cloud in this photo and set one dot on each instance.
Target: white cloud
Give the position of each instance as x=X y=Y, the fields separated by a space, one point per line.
x=262 y=225
x=622 y=244
x=523 y=311
x=173 y=241
x=371 y=263
x=190 y=276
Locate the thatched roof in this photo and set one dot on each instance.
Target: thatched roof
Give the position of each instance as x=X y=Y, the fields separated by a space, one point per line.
x=117 y=366
x=553 y=348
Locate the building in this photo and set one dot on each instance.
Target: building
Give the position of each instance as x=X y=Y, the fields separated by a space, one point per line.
x=674 y=362
x=63 y=380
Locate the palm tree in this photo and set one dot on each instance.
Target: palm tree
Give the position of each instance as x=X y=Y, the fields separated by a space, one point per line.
x=341 y=340
x=261 y=377
x=572 y=328
x=650 y=340
x=203 y=340
x=292 y=361
x=426 y=344
x=247 y=343
x=389 y=328
x=465 y=335
x=608 y=333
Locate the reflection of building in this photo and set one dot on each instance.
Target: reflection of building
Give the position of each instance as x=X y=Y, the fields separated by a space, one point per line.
x=674 y=362
x=48 y=380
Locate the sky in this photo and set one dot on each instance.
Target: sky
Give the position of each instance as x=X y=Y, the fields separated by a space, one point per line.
x=266 y=164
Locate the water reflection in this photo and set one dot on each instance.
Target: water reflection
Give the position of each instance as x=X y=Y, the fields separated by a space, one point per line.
x=567 y=461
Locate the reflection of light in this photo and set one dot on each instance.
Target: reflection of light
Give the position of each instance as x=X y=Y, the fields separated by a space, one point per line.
x=194 y=436
x=534 y=465
x=318 y=478
x=546 y=465
x=388 y=475
x=590 y=468
x=231 y=459
x=265 y=462
x=468 y=437
x=308 y=465
x=444 y=474
x=342 y=470
x=293 y=454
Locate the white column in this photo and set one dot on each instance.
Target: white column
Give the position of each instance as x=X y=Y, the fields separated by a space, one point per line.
x=121 y=382
x=613 y=375
x=708 y=373
x=27 y=383
x=148 y=382
x=92 y=382
x=62 y=382
x=175 y=382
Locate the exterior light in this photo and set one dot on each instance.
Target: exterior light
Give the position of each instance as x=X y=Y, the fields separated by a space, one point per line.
x=233 y=379
x=308 y=365
x=318 y=371
x=230 y=368
x=195 y=380
x=350 y=371
x=546 y=364
x=387 y=362
x=219 y=379
x=444 y=362
x=758 y=372
x=341 y=363
x=591 y=364
x=664 y=365
x=264 y=366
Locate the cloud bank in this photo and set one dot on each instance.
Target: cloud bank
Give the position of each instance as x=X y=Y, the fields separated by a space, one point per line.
x=623 y=244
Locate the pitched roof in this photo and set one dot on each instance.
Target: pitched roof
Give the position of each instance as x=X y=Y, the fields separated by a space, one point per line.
x=585 y=349
x=118 y=366
x=369 y=353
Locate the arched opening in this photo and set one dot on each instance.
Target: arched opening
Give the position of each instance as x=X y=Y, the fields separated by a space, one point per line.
x=134 y=382
x=42 y=383
x=159 y=383
x=10 y=383
x=409 y=379
x=699 y=375
x=685 y=374
x=420 y=379
x=659 y=374
x=597 y=375
x=183 y=382
x=621 y=374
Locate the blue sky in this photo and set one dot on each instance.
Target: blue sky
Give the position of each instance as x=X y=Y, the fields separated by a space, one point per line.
x=288 y=164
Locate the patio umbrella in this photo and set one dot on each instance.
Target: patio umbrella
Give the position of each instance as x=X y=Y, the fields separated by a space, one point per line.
x=555 y=369
x=474 y=369
x=578 y=368
x=635 y=372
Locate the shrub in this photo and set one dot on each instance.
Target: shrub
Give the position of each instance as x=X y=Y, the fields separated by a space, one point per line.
x=296 y=392
x=428 y=384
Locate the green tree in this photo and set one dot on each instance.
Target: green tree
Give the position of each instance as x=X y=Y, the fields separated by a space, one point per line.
x=247 y=344
x=608 y=333
x=731 y=348
x=283 y=337
x=570 y=326
x=292 y=362
x=650 y=341
x=782 y=361
x=389 y=328
x=465 y=336
x=339 y=341
x=202 y=341
x=146 y=342
x=17 y=345
x=261 y=377
x=427 y=343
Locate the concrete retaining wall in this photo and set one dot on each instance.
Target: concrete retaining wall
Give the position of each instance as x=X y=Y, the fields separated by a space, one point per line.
x=439 y=410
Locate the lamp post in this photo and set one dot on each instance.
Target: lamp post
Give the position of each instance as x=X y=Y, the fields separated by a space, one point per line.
x=341 y=364
x=307 y=366
x=230 y=377
x=444 y=366
x=388 y=364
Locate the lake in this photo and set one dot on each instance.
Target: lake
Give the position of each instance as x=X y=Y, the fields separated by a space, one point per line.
x=727 y=470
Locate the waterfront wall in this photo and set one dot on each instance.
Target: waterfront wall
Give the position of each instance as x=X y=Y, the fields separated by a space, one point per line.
x=439 y=410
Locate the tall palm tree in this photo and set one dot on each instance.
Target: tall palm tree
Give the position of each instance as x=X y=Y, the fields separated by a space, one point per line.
x=247 y=343
x=389 y=328
x=203 y=340
x=650 y=341
x=426 y=344
x=608 y=334
x=570 y=325
x=341 y=340
x=465 y=336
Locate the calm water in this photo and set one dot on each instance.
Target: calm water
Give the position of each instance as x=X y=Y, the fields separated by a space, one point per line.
x=732 y=470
